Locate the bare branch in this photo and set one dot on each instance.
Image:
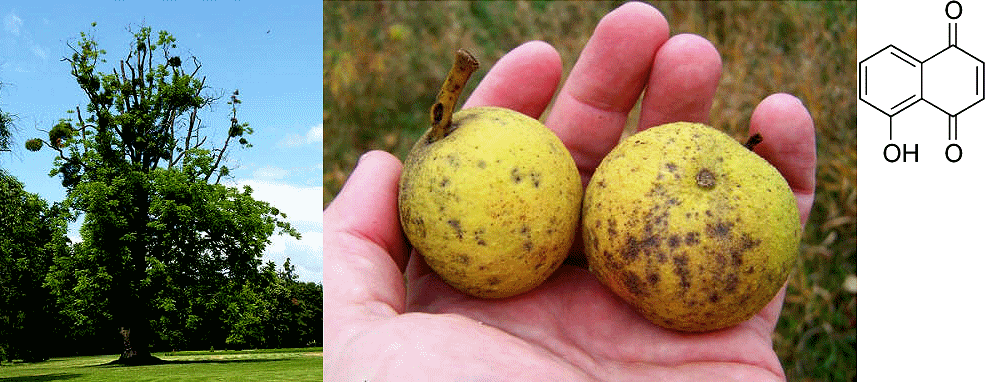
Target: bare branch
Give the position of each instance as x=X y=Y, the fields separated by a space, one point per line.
x=226 y=142
x=123 y=79
x=85 y=146
x=198 y=65
x=136 y=79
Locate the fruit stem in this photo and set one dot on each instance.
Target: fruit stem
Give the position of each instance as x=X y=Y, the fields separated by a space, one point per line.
x=442 y=111
x=752 y=141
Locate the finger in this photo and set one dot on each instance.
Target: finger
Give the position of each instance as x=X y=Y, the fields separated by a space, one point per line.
x=789 y=144
x=523 y=80
x=684 y=77
x=606 y=81
x=769 y=315
x=364 y=249
x=425 y=287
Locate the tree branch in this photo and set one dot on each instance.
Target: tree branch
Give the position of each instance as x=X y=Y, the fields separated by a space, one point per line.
x=83 y=126
x=123 y=80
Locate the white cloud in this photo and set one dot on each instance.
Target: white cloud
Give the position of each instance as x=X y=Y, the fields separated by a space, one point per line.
x=25 y=56
x=301 y=204
x=270 y=172
x=284 y=244
x=40 y=52
x=306 y=254
x=13 y=24
x=313 y=135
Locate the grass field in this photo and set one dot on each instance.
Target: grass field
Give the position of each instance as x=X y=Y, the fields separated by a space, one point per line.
x=384 y=62
x=251 y=365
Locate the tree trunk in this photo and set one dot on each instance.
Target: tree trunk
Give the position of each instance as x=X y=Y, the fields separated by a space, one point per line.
x=128 y=351
x=135 y=328
x=135 y=347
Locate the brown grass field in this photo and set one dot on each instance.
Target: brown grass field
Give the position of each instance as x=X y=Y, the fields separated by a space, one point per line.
x=384 y=62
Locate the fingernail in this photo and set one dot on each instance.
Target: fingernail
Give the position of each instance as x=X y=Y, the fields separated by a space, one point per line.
x=352 y=172
x=362 y=156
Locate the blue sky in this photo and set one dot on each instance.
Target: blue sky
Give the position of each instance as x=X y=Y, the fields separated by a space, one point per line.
x=268 y=50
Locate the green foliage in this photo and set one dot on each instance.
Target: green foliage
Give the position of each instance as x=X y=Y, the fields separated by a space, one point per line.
x=32 y=234
x=270 y=310
x=141 y=111
x=33 y=144
x=203 y=277
x=247 y=311
x=81 y=284
x=60 y=133
x=6 y=127
x=277 y=311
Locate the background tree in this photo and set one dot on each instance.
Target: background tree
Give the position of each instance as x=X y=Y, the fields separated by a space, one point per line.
x=301 y=311
x=6 y=128
x=275 y=311
x=140 y=166
x=32 y=233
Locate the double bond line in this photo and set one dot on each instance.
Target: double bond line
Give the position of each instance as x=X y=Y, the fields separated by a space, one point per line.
x=951 y=34
x=904 y=101
x=866 y=80
x=903 y=59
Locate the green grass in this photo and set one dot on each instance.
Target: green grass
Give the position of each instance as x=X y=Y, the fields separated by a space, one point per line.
x=254 y=365
x=384 y=62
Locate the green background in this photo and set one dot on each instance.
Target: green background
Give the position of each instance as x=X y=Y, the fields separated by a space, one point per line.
x=922 y=276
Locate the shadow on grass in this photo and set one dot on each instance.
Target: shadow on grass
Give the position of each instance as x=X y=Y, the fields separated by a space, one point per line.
x=188 y=362
x=46 y=377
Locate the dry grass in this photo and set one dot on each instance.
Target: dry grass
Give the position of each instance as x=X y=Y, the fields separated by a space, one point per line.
x=384 y=62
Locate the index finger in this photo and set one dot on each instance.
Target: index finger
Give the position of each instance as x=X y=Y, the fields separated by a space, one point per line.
x=523 y=80
x=606 y=82
x=364 y=250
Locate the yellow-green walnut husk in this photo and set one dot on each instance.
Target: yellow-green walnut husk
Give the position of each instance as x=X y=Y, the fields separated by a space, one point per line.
x=493 y=206
x=691 y=228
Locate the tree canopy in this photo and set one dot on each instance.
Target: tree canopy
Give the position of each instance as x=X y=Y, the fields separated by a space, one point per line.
x=31 y=235
x=6 y=129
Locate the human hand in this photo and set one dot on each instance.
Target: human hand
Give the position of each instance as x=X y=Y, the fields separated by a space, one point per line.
x=378 y=326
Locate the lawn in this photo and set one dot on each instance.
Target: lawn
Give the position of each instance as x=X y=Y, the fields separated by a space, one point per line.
x=251 y=365
x=384 y=62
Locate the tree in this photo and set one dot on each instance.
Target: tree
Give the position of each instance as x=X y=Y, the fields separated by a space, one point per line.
x=6 y=129
x=138 y=163
x=301 y=310
x=188 y=303
x=32 y=233
x=308 y=299
x=276 y=311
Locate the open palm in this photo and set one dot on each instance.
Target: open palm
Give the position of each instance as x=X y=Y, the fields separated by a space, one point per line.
x=389 y=317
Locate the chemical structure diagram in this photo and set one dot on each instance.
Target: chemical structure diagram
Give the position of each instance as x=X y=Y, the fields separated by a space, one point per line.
x=952 y=81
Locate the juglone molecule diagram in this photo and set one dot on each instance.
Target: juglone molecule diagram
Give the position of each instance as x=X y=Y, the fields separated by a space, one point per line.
x=952 y=80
